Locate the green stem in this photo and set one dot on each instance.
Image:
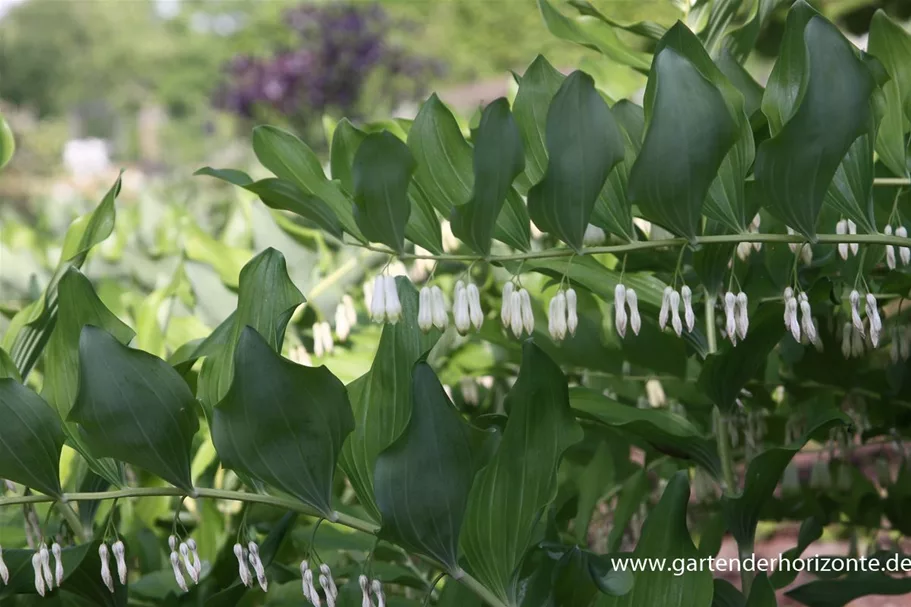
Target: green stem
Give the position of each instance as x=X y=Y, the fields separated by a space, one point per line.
x=647 y=245
x=240 y=496
x=72 y=519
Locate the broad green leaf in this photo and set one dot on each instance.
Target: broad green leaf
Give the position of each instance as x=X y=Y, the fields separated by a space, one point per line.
x=726 y=372
x=444 y=174
x=583 y=145
x=346 y=139
x=7 y=367
x=665 y=431
x=509 y=495
x=7 y=142
x=726 y=201
x=685 y=143
x=613 y=211
x=31 y=438
x=649 y=18
x=819 y=91
x=422 y=480
x=891 y=44
x=762 y=475
x=498 y=160
x=537 y=88
x=742 y=80
x=267 y=298
x=711 y=262
x=842 y=591
x=762 y=594
x=291 y=159
x=726 y=595
x=134 y=407
x=593 y=482
x=283 y=195
x=382 y=398
x=592 y=33
x=577 y=578
x=31 y=328
x=810 y=530
x=381 y=173
x=282 y=423
x=851 y=191
x=78 y=306
x=635 y=489
x=665 y=535
x=742 y=41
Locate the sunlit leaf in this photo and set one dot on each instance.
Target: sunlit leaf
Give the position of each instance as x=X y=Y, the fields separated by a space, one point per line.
x=891 y=44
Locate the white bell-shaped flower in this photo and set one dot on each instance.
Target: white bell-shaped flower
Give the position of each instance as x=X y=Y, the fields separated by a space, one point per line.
x=620 y=317
x=635 y=321
x=572 y=314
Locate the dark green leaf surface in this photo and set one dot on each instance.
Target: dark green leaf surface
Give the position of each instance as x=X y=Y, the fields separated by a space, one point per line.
x=382 y=398
x=726 y=372
x=810 y=530
x=509 y=494
x=763 y=473
x=8 y=367
x=851 y=191
x=282 y=423
x=422 y=480
x=634 y=490
x=666 y=431
x=134 y=407
x=685 y=144
x=31 y=438
x=613 y=211
x=498 y=160
x=819 y=91
x=346 y=139
x=891 y=44
x=537 y=88
x=762 y=594
x=291 y=159
x=841 y=591
x=583 y=145
x=726 y=595
x=266 y=301
x=593 y=483
x=381 y=173
x=665 y=535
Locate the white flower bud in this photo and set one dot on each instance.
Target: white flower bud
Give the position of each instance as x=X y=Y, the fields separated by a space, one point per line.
x=515 y=313
x=175 y=568
x=393 y=305
x=635 y=321
x=242 y=570
x=556 y=318
x=120 y=559
x=674 y=303
x=793 y=323
x=311 y=589
x=688 y=315
x=377 y=588
x=332 y=590
x=876 y=322
x=460 y=316
x=4 y=570
x=39 y=578
x=806 y=254
x=58 y=563
x=528 y=316
x=854 y=298
x=324 y=584
x=187 y=564
x=593 y=236
x=572 y=314
x=852 y=229
x=104 y=555
x=890 y=250
x=350 y=312
x=842 y=228
x=365 y=592
x=305 y=588
x=450 y=242
x=846 y=332
x=425 y=310
x=806 y=320
x=730 y=320
x=505 y=316
x=257 y=564
x=904 y=253
x=742 y=315
x=743 y=250
x=191 y=543
x=474 y=306
x=620 y=318
x=378 y=301
x=172 y=542
x=46 y=566
x=342 y=324
x=438 y=311
x=665 y=307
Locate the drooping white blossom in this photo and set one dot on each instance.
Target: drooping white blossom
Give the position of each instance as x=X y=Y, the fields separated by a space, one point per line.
x=474 y=306
x=857 y=343
x=460 y=316
x=343 y=322
x=450 y=242
x=904 y=253
x=635 y=321
x=305 y=587
x=730 y=319
x=806 y=319
x=505 y=307
x=890 y=250
x=332 y=589
x=593 y=236
x=425 y=309
x=378 y=300
x=393 y=305
x=172 y=542
x=846 y=331
x=46 y=566
x=852 y=229
x=664 y=312
x=620 y=317
x=366 y=601
x=175 y=568
x=187 y=564
x=572 y=314
x=876 y=323
x=688 y=315
x=556 y=317
x=469 y=389
x=674 y=304
x=528 y=315
x=257 y=565
x=324 y=584
x=377 y=588
x=39 y=577
x=4 y=570
x=194 y=556
x=515 y=313
x=742 y=316
x=104 y=556
x=854 y=298
x=322 y=339
x=57 y=551
x=311 y=589
x=243 y=571
x=439 y=311
x=120 y=560
x=842 y=228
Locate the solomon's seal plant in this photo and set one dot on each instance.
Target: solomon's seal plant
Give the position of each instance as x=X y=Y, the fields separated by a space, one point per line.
x=486 y=458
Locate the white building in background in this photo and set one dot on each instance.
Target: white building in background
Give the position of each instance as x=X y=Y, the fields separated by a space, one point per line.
x=86 y=158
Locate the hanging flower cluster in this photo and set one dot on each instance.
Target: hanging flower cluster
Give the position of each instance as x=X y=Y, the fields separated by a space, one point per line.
x=466 y=309
x=624 y=298
x=322 y=339
x=562 y=315
x=903 y=252
x=244 y=555
x=326 y=582
x=384 y=304
x=374 y=588
x=187 y=556
x=41 y=564
x=846 y=226
x=432 y=309
x=736 y=316
x=516 y=312
x=670 y=306
x=345 y=317
x=798 y=318
x=104 y=555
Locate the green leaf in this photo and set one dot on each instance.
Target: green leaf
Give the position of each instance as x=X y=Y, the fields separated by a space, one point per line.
x=78 y=306
x=134 y=407
x=635 y=489
x=810 y=530
x=267 y=298
x=381 y=172
x=7 y=367
x=819 y=91
x=726 y=595
x=593 y=482
x=665 y=535
x=536 y=90
x=742 y=41
x=851 y=191
x=291 y=159
x=31 y=438
x=742 y=80
x=282 y=423
x=685 y=143
x=583 y=146
x=7 y=142
x=726 y=200
x=762 y=594
x=346 y=139
x=613 y=211
x=31 y=328
x=592 y=33
x=665 y=431
x=891 y=44
x=841 y=591
x=382 y=398
x=763 y=472
x=510 y=494
x=422 y=480
x=498 y=160
x=726 y=372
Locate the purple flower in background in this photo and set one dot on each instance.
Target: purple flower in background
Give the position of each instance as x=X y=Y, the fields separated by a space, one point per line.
x=340 y=47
